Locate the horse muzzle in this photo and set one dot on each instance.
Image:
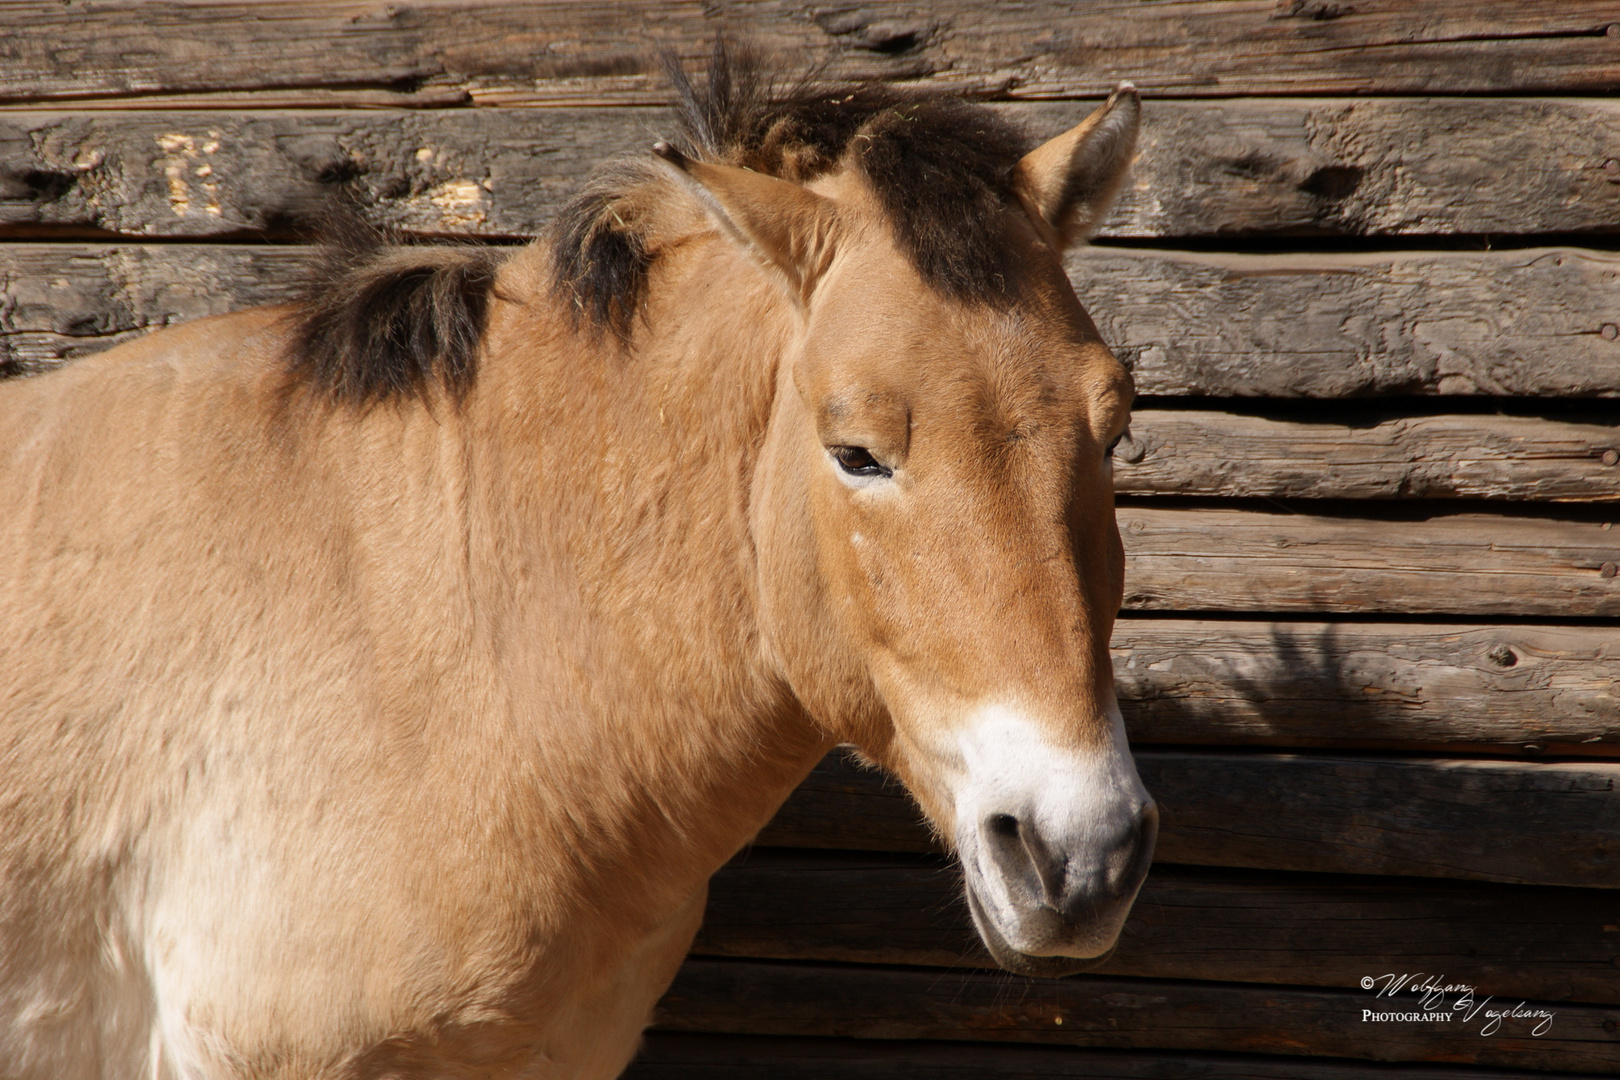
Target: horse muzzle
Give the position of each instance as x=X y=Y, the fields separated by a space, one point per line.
x=1053 y=905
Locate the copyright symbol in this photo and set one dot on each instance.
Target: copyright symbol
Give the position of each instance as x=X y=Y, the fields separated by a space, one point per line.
x=1366 y=982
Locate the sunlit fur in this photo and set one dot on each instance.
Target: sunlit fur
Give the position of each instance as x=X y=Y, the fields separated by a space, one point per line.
x=403 y=740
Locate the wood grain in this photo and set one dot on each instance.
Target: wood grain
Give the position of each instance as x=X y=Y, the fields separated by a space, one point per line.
x=491 y=172
x=1207 y=453
x=1347 y=167
x=1350 y=684
x=1532 y=824
x=1331 y=326
x=885 y=1003
x=599 y=51
x=1504 y=323
x=1457 y=564
x=1187 y=923
x=669 y=1055
x=61 y=301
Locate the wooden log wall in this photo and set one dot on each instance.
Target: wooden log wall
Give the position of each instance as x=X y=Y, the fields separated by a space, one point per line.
x=1367 y=276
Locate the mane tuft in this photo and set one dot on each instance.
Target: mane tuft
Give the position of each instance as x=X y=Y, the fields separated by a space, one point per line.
x=378 y=319
x=941 y=166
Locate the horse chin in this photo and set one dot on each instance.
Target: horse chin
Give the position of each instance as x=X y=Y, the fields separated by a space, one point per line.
x=1020 y=963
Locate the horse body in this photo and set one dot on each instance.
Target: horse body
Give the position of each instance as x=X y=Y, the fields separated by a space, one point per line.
x=402 y=740
x=402 y=788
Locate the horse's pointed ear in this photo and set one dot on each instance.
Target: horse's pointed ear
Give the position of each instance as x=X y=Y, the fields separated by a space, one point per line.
x=784 y=225
x=1068 y=184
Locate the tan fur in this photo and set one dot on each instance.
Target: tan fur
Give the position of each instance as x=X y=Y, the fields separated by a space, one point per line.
x=402 y=741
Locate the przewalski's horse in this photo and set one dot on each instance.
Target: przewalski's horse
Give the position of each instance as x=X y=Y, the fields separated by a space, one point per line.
x=382 y=678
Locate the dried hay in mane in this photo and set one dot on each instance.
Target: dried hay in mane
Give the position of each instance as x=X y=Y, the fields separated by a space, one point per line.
x=378 y=320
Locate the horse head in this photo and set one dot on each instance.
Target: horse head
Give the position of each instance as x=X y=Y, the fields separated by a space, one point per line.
x=932 y=510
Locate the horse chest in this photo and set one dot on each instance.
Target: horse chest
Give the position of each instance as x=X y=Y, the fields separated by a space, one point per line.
x=582 y=1022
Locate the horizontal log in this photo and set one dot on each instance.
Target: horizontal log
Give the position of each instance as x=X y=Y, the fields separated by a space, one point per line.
x=1556 y=824
x=1502 y=323
x=1457 y=564
x=669 y=1055
x=1535 y=322
x=1523 y=458
x=1221 y=926
x=1533 y=824
x=1093 y=1011
x=62 y=301
x=599 y=51
x=1379 y=167
x=494 y=172
x=1203 y=681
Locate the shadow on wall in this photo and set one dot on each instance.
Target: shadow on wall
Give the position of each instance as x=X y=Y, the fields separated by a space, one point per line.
x=1519 y=690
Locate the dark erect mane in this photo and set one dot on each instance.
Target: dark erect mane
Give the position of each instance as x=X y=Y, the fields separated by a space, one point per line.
x=941 y=167
x=379 y=319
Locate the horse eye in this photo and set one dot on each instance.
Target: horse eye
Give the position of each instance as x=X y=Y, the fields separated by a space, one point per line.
x=858 y=461
x=1110 y=451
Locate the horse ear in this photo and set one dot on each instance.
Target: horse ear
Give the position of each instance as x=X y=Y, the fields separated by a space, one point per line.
x=782 y=224
x=1068 y=184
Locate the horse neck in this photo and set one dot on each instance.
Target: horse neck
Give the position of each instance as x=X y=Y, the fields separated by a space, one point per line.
x=627 y=566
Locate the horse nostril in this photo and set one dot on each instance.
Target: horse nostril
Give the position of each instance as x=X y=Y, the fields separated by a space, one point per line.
x=1003 y=825
x=1147 y=826
x=1128 y=864
x=1030 y=868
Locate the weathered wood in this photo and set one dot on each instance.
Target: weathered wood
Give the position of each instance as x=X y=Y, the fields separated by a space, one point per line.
x=1187 y=923
x=670 y=1055
x=1533 y=824
x=1460 y=564
x=1200 y=452
x=496 y=172
x=884 y=1003
x=1205 y=681
x=1521 y=322
x=60 y=301
x=1343 y=166
x=599 y=51
x=1332 y=326
x=1556 y=824
x=1379 y=167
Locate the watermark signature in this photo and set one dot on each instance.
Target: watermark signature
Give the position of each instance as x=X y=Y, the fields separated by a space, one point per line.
x=1437 y=1001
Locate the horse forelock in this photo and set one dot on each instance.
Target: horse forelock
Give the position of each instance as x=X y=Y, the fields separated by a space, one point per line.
x=941 y=168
